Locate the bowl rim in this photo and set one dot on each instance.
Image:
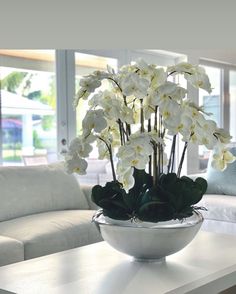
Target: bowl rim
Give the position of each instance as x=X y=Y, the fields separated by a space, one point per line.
x=100 y=220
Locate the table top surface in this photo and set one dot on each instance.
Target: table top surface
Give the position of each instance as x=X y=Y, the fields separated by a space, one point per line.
x=206 y=265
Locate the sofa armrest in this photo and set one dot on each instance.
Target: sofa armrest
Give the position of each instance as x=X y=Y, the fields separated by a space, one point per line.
x=87 y=189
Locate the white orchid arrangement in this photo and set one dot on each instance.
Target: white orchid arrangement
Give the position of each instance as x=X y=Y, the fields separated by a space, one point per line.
x=132 y=120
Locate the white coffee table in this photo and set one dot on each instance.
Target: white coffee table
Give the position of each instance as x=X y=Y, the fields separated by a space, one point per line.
x=207 y=265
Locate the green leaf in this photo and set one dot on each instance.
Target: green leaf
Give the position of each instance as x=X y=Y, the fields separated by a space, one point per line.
x=203 y=183
x=117 y=213
x=155 y=211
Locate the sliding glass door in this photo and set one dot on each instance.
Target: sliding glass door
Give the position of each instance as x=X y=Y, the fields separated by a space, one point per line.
x=28 y=107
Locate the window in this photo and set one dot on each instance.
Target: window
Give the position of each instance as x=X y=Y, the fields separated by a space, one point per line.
x=28 y=106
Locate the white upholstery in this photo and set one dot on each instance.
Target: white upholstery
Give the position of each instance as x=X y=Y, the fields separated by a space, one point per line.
x=87 y=189
x=220 y=207
x=220 y=227
x=11 y=250
x=43 y=210
x=220 y=216
x=50 y=232
x=35 y=189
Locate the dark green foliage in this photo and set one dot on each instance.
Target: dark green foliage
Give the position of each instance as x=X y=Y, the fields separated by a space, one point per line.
x=172 y=198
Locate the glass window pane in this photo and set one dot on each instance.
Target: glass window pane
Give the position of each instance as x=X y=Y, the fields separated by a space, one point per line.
x=28 y=107
x=212 y=104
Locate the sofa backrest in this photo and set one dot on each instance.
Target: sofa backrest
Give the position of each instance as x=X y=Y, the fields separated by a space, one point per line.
x=34 y=189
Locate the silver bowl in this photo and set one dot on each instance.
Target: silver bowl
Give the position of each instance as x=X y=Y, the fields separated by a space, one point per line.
x=148 y=241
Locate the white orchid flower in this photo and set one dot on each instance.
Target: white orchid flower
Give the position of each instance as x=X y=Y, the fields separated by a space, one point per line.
x=133 y=84
x=82 y=93
x=90 y=83
x=137 y=161
x=195 y=74
x=127 y=179
x=208 y=141
x=145 y=70
x=75 y=164
x=153 y=98
x=126 y=115
x=140 y=143
x=115 y=106
x=182 y=67
x=199 y=79
x=80 y=146
x=112 y=109
x=199 y=108
x=205 y=130
x=102 y=74
x=94 y=120
x=125 y=151
x=136 y=152
x=179 y=93
x=95 y=100
x=223 y=135
x=169 y=109
x=126 y=69
x=121 y=169
x=125 y=176
x=208 y=126
x=179 y=123
x=159 y=77
x=193 y=112
x=167 y=88
x=102 y=150
x=163 y=94
x=222 y=158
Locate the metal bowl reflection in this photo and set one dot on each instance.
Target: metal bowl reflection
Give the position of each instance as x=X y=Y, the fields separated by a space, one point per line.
x=148 y=241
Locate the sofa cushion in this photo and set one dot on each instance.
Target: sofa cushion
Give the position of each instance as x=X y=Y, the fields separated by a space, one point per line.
x=11 y=250
x=220 y=207
x=51 y=232
x=222 y=182
x=34 y=189
x=219 y=227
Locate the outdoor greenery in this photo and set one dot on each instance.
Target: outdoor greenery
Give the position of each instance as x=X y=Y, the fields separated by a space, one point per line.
x=20 y=83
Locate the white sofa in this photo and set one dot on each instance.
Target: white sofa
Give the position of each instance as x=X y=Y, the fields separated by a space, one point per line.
x=42 y=211
x=220 y=216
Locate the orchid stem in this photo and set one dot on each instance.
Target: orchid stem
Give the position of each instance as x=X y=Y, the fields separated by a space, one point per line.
x=150 y=156
x=171 y=158
x=111 y=158
x=141 y=116
x=112 y=164
x=182 y=159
